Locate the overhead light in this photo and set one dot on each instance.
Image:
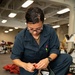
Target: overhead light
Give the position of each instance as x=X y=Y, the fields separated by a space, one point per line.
x=16 y=27
x=27 y=3
x=10 y=29
x=57 y=26
x=4 y=21
x=63 y=11
x=12 y=15
x=6 y=31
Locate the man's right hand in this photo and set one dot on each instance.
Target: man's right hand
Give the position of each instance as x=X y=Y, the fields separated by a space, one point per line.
x=29 y=67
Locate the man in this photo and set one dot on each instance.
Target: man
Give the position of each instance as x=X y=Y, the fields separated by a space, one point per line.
x=37 y=47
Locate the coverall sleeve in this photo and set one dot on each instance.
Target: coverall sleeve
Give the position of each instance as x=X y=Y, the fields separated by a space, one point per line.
x=17 y=50
x=54 y=43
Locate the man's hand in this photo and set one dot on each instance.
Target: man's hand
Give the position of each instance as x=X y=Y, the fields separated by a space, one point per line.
x=42 y=64
x=29 y=67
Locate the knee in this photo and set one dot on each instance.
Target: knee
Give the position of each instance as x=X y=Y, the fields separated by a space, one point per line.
x=68 y=58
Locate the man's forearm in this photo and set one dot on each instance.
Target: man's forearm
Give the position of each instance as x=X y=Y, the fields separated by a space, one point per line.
x=19 y=63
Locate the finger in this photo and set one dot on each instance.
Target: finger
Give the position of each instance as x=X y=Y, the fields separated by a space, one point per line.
x=38 y=66
x=34 y=64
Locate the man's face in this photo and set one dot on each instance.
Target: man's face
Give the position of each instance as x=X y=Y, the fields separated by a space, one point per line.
x=36 y=28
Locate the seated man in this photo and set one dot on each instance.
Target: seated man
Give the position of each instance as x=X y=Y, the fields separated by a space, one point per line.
x=37 y=47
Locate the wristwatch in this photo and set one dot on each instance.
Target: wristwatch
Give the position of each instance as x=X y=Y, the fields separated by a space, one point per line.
x=49 y=59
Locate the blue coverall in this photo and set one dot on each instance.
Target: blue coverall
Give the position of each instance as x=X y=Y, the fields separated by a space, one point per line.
x=26 y=48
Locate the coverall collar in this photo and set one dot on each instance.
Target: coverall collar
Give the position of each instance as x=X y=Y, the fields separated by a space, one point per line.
x=44 y=35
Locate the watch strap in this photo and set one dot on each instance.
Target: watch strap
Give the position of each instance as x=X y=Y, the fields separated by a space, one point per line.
x=49 y=59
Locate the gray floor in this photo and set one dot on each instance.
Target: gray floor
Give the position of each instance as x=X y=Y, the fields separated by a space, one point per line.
x=4 y=60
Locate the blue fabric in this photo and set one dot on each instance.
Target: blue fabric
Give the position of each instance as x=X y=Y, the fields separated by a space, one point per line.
x=26 y=48
x=60 y=65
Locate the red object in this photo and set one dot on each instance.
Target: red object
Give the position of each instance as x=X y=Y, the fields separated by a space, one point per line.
x=35 y=66
x=69 y=74
x=9 y=43
x=46 y=46
x=12 y=68
x=7 y=67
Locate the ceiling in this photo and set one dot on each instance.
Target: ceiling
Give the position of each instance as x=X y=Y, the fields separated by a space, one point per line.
x=50 y=10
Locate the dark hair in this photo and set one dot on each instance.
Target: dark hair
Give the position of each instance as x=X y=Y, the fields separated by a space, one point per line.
x=67 y=37
x=34 y=15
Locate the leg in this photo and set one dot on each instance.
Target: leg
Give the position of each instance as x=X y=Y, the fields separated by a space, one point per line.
x=61 y=65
